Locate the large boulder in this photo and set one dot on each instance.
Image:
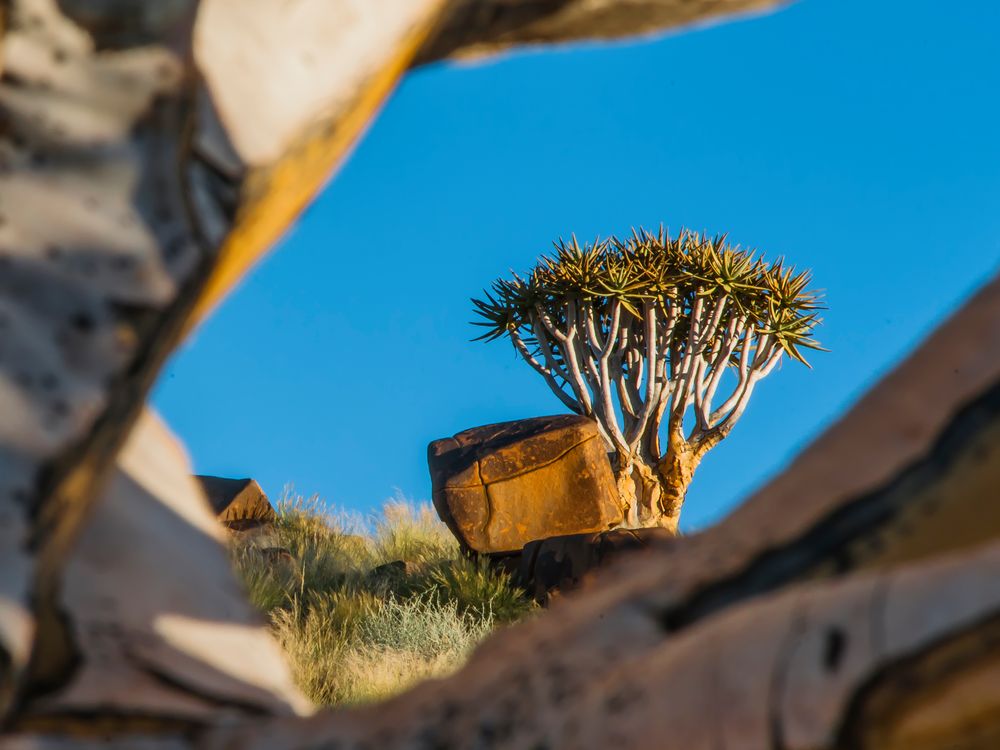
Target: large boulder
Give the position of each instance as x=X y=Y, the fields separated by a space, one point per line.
x=501 y=486
x=240 y=504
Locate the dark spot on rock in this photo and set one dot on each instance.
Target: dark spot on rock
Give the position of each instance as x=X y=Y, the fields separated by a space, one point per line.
x=59 y=408
x=842 y=561
x=53 y=252
x=616 y=702
x=487 y=734
x=39 y=158
x=90 y=202
x=48 y=381
x=430 y=739
x=174 y=246
x=59 y=55
x=163 y=213
x=875 y=544
x=20 y=496
x=122 y=262
x=834 y=648
x=83 y=322
x=905 y=527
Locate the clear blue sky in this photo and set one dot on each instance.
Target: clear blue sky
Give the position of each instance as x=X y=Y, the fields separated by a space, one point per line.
x=857 y=138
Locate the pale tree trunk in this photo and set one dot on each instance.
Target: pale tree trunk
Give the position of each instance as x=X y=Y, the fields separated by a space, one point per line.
x=676 y=471
x=654 y=489
x=639 y=492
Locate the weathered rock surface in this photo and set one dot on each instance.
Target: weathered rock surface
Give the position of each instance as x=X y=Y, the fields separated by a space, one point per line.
x=478 y=27
x=500 y=486
x=160 y=622
x=551 y=567
x=240 y=504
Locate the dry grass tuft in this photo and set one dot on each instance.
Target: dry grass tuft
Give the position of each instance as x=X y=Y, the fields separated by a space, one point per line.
x=355 y=632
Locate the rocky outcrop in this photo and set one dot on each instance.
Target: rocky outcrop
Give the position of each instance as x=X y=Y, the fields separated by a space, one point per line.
x=240 y=504
x=501 y=486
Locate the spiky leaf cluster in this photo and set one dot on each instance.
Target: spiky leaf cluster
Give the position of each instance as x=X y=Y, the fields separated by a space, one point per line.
x=666 y=272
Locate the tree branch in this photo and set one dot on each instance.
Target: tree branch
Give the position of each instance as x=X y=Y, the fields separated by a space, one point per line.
x=546 y=372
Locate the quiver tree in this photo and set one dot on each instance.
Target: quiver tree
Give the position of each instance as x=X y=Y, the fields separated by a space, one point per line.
x=661 y=340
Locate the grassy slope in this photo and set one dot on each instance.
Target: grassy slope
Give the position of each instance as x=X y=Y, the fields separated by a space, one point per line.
x=353 y=635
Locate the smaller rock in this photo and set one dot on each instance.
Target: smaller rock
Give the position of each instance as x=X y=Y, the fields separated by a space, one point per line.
x=240 y=504
x=505 y=563
x=550 y=567
x=397 y=570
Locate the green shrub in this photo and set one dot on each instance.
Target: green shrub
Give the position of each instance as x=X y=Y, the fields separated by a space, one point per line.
x=360 y=648
x=478 y=591
x=355 y=632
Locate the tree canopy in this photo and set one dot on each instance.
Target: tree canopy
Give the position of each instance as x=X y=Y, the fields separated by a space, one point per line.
x=629 y=330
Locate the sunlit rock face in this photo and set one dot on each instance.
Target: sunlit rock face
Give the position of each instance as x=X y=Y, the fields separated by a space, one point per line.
x=500 y=486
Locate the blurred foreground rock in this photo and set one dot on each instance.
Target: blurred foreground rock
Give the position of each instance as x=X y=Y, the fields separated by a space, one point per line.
x=500 y=486
x=160 y=626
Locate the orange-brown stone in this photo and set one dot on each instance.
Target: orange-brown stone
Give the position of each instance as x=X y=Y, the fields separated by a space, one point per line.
x=501 y=486
x=238 y=503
